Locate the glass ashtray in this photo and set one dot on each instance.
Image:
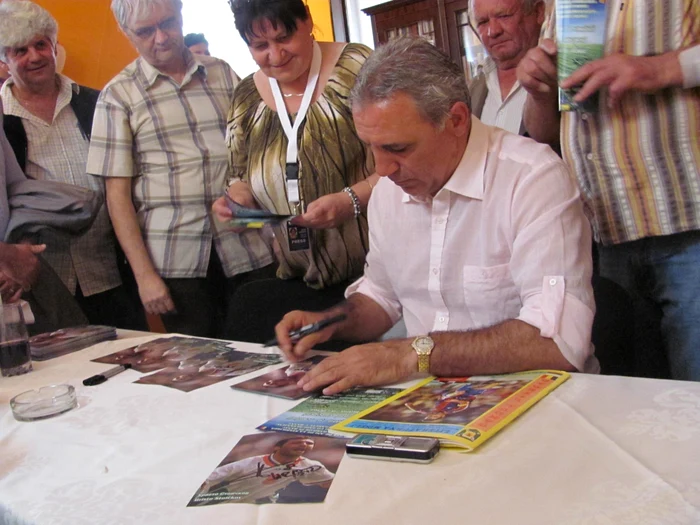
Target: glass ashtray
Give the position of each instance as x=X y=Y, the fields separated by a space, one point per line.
x=46 y=402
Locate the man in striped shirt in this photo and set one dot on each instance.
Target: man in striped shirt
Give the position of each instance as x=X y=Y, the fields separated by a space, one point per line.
x=158 y=138
x=637 y=160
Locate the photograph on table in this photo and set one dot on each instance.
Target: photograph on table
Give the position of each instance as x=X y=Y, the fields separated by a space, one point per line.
x=66 y=340
x=459 y=411
x=209 y=367
x=281 y=382
x=449 y=401
x=273 y=468
x=318 y=413
x=165 y=352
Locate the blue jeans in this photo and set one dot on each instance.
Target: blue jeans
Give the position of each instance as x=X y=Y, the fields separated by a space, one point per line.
x=662 y=275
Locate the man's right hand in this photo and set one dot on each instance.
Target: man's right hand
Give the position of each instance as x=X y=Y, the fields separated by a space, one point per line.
x=20 y=263
x=295 y=351
x=537 y=71
x=155 y=295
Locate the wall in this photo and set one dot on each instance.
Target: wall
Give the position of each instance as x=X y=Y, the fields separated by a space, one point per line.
x=95 y=47
x=97 y=50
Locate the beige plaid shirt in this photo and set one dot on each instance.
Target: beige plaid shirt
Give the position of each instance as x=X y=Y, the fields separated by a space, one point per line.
x=170 y=139
x=58 y=152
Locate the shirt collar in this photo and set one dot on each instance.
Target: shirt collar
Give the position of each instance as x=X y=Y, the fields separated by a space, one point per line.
x=150 y=73
x=12 y=106
x=468 y=178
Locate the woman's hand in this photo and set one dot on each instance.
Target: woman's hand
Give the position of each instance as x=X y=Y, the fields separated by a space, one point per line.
x=241 y=194
x=329 y=211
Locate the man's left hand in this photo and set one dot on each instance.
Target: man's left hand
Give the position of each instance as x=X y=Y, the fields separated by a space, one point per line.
x=623 y=73
x=371 y=364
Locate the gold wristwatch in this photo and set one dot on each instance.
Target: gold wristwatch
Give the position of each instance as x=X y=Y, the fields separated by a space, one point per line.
x=423 y=345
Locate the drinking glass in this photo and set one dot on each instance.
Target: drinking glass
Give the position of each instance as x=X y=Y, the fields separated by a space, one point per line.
x=15 y=358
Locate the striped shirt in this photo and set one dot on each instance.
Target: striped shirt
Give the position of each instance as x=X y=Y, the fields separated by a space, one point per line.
x=638 y=164
x=58 y=151
x=170 y=139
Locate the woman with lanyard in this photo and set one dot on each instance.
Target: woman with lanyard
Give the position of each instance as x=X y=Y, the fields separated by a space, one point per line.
x=295 y=151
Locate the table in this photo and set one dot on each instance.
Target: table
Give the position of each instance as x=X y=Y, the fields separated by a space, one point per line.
x=598 y=450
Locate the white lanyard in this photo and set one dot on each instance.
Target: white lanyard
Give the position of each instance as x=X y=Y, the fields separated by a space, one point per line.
x=292 y=169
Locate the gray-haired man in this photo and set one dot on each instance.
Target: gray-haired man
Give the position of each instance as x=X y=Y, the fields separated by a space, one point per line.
x=48 y=119
x=478 y=239
x=507 y=29
x=158 y=138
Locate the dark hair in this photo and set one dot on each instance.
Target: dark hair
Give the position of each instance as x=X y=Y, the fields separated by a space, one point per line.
x=193 y=39
x=281 y=442
x=277 y=12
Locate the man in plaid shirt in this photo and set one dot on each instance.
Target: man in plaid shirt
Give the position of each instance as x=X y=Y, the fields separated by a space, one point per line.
x=158 y=138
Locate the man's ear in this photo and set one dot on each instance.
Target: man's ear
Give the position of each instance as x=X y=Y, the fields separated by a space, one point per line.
x=460 y=118
x=540 y=9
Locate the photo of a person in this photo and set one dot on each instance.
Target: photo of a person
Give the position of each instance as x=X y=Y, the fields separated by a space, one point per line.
x=206 y=367
x=273 y=468
x=447 y=401
x=281 y=382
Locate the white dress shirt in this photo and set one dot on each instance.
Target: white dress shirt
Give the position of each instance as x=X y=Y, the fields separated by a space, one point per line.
x=506 y=114
x=505 y=238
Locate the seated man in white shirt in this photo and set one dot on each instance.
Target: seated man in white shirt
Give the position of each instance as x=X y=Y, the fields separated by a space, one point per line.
x=478 y=239
x=508 y=29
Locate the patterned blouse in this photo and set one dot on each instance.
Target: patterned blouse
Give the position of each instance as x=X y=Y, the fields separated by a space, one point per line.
x=331 y=157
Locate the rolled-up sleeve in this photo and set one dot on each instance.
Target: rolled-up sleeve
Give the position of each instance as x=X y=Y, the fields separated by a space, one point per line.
x=551 y=262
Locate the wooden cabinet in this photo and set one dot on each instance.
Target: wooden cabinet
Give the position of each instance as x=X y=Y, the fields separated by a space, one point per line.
x=444 y=23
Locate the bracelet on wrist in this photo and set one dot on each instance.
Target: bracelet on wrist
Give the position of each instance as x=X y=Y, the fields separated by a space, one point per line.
x=357 y=209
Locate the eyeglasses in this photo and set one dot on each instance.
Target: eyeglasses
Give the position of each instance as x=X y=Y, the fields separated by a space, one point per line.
x=166 y=26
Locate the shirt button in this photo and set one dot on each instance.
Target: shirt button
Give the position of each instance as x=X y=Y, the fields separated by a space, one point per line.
x=589 y=156
x=442 y=319
x=584 y=116
x=552 y=282
x=435 y=271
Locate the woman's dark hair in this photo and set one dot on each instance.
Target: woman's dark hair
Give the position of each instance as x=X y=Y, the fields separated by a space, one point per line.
x=277 y=12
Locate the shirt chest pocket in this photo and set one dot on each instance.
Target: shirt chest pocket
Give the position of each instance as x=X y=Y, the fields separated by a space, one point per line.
x=490 y=295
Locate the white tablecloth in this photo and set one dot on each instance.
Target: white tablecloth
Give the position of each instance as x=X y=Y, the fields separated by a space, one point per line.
x=599 y=450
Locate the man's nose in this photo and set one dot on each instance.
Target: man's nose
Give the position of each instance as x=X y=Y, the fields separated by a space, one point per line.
x=384 y=165
x=161 y=36
x=33 y=54
x=494 y=27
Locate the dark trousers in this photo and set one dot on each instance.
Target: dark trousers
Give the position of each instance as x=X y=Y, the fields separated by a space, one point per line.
x=662 y=276
x=202 y=303
x=258 y=306
x=112 y=308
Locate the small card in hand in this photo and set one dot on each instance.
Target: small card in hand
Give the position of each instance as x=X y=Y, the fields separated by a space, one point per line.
x=252 y=217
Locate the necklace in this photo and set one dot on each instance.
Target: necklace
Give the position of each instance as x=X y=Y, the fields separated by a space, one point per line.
x=287 y=95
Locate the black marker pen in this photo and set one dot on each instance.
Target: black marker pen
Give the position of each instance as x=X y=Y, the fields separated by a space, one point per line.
x=104 y=376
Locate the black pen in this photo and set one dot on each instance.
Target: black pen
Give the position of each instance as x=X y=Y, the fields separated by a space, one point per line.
x=309 y=329
x=104 y=376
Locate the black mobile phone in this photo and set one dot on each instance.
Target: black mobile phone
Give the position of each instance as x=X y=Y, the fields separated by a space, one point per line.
x=393 y=448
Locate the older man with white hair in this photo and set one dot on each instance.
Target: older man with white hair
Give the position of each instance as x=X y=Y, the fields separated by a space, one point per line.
x=508 y=29
x=48 y=119
x=158 y=139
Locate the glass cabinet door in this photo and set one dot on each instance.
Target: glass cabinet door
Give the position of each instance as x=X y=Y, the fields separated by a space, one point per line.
x=422 y=28
x=472 y=51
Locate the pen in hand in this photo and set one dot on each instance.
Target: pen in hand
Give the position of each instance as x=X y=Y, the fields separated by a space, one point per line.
x=302 y=332
x=104 y=376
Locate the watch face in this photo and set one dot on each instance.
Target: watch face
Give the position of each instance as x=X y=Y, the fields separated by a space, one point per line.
x=423 y=344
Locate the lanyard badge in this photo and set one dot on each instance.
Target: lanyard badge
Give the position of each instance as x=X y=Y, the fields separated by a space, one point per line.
x=301 y=237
